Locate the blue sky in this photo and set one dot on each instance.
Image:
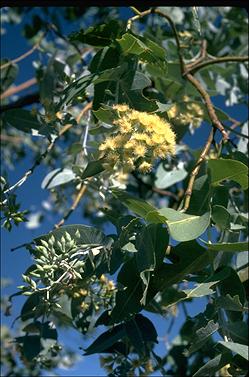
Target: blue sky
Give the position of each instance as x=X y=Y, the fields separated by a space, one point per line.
x=31 y=196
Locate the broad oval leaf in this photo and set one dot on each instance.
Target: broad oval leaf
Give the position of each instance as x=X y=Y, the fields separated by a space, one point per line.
x=222 y=169
x=57 y=177
x=166 y=178
x=183 y=227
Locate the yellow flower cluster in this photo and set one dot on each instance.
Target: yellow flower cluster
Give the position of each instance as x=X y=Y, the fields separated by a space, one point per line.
x=140 y=139
x=192 y=113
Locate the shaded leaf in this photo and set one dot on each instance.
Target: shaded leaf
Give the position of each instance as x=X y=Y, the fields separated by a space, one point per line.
x=151 y=247
x=202 y=335
x=228 y=246
x=221 y=217
x=238 y=331
x=93 y=168
x=138 y=206
x=213 y=365
x=22 y=120
x=190 y=257
x=228 y=302
x=128 y=299
x=106 y=340
x=99 y=35
x=222 y=169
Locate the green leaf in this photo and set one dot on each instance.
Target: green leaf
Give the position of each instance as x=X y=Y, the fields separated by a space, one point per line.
x=106 y=114
x=106 y=340
x=222 y=169
x=200 y=198
x=8 y=75
x=31 y=305
x=238 y=331
x=233 y=286
x=151 y=246
x=138 y=206
x=231 y=247
x=202 y=335
x=93 y=168
x=128 y=300
x=31 y=346
x=99 y=35
x=147 y=50
x=57 y=177
x=22 y=120
x=166 y=178
x=140 y=330
x=190 y=256
x=221 y=217
x=228 y=302
x=213 y=365
x=238 y=348
x=183 y=227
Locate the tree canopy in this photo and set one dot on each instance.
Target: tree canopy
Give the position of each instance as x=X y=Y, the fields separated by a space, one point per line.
x=130 y=111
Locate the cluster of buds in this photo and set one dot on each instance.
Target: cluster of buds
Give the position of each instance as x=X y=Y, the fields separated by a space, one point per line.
x=140 y=139
x=186 y=113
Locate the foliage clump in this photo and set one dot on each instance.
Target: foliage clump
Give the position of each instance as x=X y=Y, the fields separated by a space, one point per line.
x=141 y=138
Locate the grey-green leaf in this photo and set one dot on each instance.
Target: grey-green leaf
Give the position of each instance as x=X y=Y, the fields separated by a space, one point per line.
x=166 y=178
x=57 y=177
x=222 y=169
x=183 y=227
x=238 y=348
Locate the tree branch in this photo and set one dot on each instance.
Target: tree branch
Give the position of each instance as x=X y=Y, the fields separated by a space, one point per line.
x=74 y=205
x=196 y=170
x=194 y=67
x=16 y=89
x=23 y=56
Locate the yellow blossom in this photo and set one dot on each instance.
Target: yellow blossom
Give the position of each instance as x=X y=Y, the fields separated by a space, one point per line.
x=145 y=167
x=139 y=150
x=172 y=112
x=121 y=107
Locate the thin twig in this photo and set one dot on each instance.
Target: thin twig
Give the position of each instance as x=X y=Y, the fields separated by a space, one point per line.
x=16 y=89
x=137 y=17
x=224 y=59
x=74 y=205
x=23 y=56
x=43 y=155
x=196 y=169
